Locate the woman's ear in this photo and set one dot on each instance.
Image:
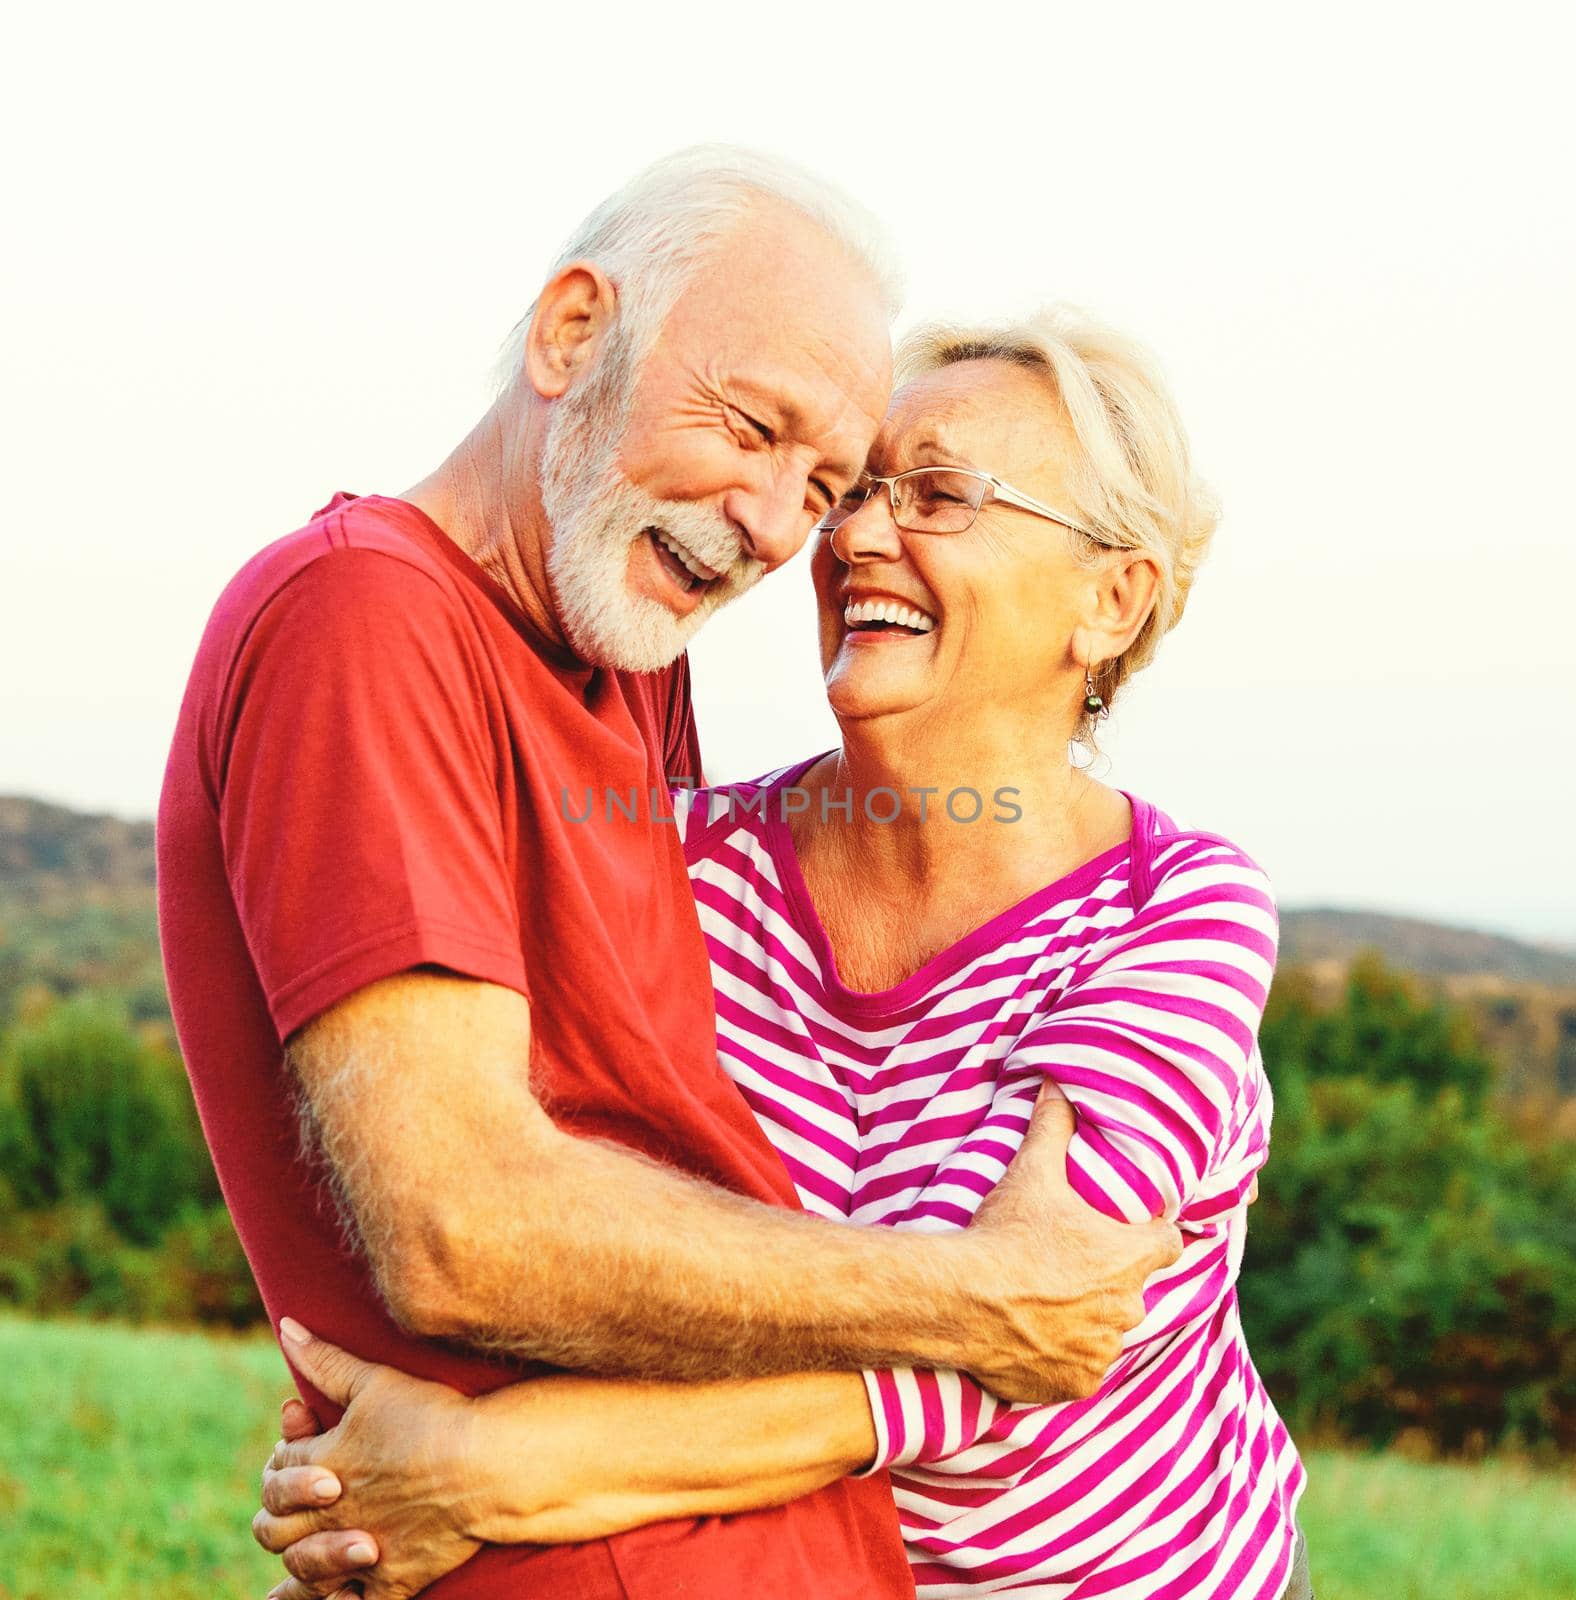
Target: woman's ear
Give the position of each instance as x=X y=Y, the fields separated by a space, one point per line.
x=1133 y=588
x=572 y=316
x=1121 y=596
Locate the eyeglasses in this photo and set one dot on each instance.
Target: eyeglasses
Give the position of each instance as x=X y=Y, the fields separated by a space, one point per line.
x=943 y=500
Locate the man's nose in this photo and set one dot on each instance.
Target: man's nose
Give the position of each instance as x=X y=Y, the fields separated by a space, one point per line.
x=771 y=516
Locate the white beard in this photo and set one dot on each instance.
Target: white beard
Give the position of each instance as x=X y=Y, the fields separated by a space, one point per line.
x=596 y=515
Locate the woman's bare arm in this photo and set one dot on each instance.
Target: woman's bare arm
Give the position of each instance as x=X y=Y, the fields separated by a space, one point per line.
x=640 y=1452
x=423 y=1476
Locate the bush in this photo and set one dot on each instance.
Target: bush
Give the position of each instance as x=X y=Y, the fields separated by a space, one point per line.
x=1405 y=1266
x=108 y=1200
x=70 y=1259
x=92 y=1112
x=204 y=1270
x=1382 y=1030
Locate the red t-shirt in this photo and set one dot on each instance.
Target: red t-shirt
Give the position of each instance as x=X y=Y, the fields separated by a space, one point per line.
x=378 y=765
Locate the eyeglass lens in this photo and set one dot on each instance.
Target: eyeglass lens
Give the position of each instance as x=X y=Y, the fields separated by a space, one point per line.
x=932 y=500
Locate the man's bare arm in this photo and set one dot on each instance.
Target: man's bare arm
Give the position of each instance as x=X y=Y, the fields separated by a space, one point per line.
x=486 y=1223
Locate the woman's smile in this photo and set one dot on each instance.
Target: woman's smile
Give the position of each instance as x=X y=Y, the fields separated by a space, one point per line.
x=873 y=616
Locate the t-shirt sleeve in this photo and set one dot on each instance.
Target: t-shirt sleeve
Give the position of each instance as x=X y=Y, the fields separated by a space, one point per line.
x=1156 y=1046
x=357 y=789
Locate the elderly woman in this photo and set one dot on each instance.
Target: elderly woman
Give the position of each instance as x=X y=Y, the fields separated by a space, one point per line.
x=909 y=937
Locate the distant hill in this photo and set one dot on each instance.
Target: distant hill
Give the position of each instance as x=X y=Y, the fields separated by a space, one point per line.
x=1431 y=949
x=77 y=913
x=76 y=908
x=45 y=848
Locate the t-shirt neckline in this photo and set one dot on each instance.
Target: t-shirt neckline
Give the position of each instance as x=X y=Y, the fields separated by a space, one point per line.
x=556 y=655
x=945 y=963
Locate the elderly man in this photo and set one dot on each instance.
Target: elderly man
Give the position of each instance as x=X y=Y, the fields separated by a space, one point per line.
x=494 y=1026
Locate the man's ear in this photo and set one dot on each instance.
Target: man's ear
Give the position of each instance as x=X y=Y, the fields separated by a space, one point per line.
x=572 y=316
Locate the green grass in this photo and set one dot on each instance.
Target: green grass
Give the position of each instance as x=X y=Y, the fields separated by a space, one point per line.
x=129 y=1462
x=1381 y=1527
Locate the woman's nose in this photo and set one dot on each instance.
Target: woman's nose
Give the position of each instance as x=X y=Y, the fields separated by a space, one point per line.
x=870 y=534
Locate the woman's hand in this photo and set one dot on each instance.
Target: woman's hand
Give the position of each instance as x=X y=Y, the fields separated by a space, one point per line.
x=383 y=1498
x=421 y=1477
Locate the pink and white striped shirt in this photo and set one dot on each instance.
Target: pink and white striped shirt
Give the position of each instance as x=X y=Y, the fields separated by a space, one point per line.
x=1136 y=984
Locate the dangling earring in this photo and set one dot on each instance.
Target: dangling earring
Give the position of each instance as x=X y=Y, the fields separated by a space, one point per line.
x=1094 y=706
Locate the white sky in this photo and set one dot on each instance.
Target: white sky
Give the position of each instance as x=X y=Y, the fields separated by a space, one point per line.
x=259 y=254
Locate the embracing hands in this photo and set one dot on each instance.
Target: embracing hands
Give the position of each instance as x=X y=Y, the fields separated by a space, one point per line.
x=396 y=1462
x=415 y=1477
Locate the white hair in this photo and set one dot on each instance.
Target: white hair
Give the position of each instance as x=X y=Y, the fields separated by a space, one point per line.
x=653 y=233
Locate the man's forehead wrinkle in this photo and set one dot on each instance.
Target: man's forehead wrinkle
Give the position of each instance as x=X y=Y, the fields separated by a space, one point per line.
x=822 y=406
x=865 y=391
x=856 y=376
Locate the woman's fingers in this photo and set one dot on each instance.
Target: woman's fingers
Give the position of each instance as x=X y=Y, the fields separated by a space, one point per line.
x=276 y=1533
x=292 y=1589
x=334 y=1372
x=297 y=1420
x=299 y=1452
x=295 y=1589
x=287 y=1490
x=330 y=1560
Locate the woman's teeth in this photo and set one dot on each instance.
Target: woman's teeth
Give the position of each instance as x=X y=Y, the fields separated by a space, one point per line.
x=864 y=613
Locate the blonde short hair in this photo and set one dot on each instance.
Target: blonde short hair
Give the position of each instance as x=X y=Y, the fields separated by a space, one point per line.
x=1132 y=482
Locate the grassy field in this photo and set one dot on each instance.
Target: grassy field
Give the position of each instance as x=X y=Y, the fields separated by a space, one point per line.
x=129 y=1462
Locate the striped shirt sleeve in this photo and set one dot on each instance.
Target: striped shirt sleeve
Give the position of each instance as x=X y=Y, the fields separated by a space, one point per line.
x=1155 y=1045
x=923 y=1416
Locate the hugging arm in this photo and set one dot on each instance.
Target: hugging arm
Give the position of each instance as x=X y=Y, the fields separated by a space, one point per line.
x=484 y=1222
x=421 y=1476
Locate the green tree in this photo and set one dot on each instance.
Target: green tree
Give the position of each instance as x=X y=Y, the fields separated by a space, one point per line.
x=1407 y=1265
x=1383 y=1030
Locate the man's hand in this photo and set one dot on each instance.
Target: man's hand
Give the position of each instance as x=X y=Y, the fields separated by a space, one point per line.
x=403 y=1455
x=487 y=1224
x=1059 y=1283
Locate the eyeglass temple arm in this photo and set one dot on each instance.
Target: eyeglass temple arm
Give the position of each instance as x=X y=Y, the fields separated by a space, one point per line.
x=1010 y=496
